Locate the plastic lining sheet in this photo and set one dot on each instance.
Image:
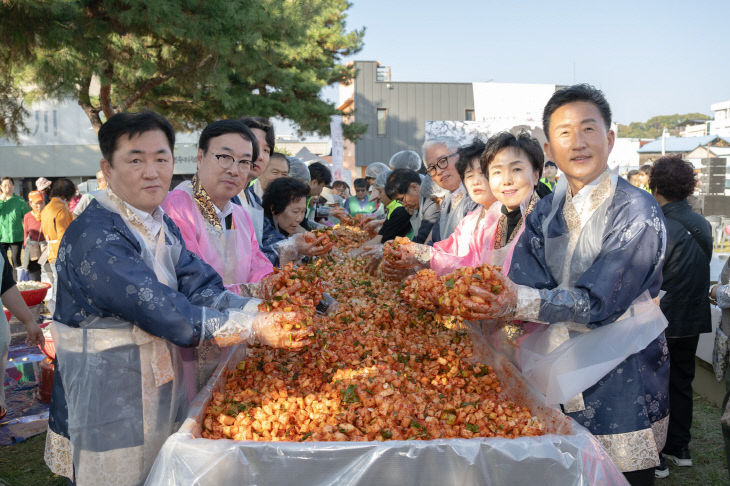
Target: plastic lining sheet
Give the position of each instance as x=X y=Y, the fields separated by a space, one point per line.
x=567 y=455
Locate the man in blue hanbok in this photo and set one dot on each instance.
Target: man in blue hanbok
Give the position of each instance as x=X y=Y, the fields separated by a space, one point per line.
x=588 y=265
x=129 y=292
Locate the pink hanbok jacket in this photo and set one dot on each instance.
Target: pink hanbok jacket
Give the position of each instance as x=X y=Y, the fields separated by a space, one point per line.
x=234 y=254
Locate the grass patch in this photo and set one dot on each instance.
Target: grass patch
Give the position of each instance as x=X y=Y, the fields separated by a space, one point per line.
x=707 y=449
x=22 y=464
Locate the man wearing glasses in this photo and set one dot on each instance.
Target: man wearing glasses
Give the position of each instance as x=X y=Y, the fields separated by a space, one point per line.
x=213 y=227
x=440 y=155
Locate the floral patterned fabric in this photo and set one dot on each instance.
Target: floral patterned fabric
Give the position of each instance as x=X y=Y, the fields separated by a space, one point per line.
x=102 y=274
x=624 y=409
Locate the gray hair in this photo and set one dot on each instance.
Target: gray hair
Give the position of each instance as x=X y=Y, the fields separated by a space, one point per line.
x=450 y=143
x=405 y=159
x=299 y=170
x=382 y=178
x=374 y=169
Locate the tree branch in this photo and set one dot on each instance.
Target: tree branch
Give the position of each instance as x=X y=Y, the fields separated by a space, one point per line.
x=85 y=103
x=105 y=98
x=152 y=83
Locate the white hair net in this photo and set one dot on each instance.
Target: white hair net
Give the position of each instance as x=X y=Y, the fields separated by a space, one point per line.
x=429 y=189
x=405 y=159
x=299 y=170
x=382 y=178
x=374 y=169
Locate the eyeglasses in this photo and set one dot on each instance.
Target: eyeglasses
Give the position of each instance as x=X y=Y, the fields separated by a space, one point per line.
x=441 y=163
x=226 y=161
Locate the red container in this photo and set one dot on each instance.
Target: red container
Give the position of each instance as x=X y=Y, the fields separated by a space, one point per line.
x=8 y=315
x=45 y=383
x=36 y=296
x=48 y=347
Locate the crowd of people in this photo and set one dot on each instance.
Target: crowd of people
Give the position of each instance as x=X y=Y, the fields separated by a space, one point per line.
x=146 y=278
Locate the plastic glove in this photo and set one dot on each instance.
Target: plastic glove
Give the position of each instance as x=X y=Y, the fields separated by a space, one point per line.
x=406 y=254
x=270 y=329
x=276 y=329
x=310 y=244
x=483 y=303
x=339 y=213
x=373 y=227
x=373 y=255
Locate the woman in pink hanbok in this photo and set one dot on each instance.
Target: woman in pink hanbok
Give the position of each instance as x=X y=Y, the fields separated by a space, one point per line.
x=506 y=170
x=217 y=230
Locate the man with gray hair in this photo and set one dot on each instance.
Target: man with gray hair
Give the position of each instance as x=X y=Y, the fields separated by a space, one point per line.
x=440 y=155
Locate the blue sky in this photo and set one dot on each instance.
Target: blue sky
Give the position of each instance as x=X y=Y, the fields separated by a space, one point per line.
x=649 y=57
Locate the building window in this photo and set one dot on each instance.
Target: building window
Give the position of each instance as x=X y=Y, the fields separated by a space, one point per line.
x=382 y=114
x=469 y=115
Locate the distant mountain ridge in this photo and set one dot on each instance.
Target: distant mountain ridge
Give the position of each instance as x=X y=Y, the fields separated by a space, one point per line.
x=653 y=127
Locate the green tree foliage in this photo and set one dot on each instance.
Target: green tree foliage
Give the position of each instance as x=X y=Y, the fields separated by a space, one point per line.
x=191 y=60
x=654 y=126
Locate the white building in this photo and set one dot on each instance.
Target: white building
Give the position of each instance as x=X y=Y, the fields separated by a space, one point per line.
x=719 y=125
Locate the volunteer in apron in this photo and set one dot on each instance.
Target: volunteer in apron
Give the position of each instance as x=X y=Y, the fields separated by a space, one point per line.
x=129 y=294
x=589 y=264
x=215 y=229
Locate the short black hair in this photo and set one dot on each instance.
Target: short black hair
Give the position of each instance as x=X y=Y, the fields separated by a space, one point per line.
x=279 y=155
x=63 y=188
x=523 y=141
x=646 y=169
x=131 y=124
x=360 y=183
x=631 y=174
x=467 y=153
x=673 y=178
x=577 y=92
x=399 y=181
x=320 y=173
x=222 y=127
x=341 y=184
x=264 y=125
x=550 y=163
x=282 y=192
x=7 y=179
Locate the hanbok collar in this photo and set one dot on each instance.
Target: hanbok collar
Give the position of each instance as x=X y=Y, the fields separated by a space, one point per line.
x=580 y=207
x=211 y=214
x=149 y=225
x=458 y=195
x=501 y=239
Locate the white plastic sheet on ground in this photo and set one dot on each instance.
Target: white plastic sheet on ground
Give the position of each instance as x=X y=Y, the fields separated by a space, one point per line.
x=567 y=455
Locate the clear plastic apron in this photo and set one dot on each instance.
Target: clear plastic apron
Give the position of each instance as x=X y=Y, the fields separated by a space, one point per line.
x=198 y=364
x=122 y=386
x=564 y=359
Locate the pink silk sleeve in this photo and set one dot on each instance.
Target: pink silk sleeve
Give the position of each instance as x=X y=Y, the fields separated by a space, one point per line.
x=465 y=246
x=260 y=265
